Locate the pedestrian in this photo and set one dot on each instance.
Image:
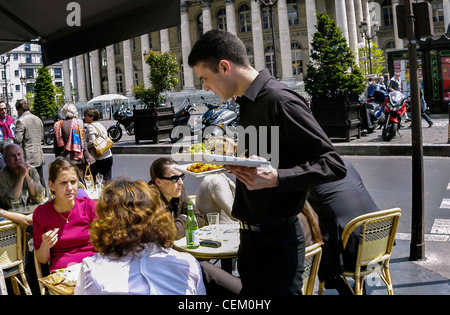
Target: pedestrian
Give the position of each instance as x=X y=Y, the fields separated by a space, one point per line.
x=7 y=126
x=371 y=87
x=70 y=140
x=30 y=134
x=336 y=204
x=94 y=129
x=267 y=200
x=424 y=107
x=381 y=86
x=394 y=83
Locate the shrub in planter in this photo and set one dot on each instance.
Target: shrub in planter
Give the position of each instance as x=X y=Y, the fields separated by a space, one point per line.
x=334 y=81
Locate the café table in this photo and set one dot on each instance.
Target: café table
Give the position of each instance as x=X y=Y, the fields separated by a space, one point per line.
x=227 y=234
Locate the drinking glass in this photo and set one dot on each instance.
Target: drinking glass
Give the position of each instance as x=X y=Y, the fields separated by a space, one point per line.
x=24 y=197
x=99 y=179
x=15 y=205
x=213 y=221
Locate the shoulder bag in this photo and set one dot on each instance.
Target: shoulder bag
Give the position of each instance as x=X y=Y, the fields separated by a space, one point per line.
x=102 y=143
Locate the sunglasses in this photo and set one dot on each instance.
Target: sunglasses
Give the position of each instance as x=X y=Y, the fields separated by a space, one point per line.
x=175 y=178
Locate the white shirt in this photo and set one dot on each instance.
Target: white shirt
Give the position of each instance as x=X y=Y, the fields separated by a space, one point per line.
x=153 y=271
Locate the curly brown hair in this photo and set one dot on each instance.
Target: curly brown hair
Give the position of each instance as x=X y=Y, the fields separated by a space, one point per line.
x=130 y=214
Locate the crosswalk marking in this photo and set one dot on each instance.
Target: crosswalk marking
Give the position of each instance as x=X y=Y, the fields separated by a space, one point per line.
x=441 y=226
x=445 y=203
x=448 y=186
x=440 y=232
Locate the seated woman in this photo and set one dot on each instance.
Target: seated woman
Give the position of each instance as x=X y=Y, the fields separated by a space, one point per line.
x=133 y=236
x=61 y=226
x=169 y=182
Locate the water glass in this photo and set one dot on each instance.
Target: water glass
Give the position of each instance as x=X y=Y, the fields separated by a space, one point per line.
x=15 y=205
x=213 y=221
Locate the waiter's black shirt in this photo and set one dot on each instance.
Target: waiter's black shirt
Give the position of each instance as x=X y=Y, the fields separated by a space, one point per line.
x=306 y=155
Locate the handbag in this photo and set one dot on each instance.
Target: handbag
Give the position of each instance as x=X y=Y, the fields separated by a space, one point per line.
x=101 y=144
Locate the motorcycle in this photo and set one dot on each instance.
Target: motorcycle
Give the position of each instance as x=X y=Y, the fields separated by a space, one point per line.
x=372 y=113
x=228 y=117
x=394 y=109
x=181 y=118
x=124 y=117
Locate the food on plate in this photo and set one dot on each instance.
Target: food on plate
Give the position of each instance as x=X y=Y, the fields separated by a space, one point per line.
x=55 y=278
x=200 y=167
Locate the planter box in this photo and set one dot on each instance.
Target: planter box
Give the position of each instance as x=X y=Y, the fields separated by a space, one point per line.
x=339 y=117
x=153 y=124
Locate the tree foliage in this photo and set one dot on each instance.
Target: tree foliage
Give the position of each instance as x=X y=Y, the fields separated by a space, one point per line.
x=44 y=104
x=376 y=56
x=163 y=68
x=332 y=71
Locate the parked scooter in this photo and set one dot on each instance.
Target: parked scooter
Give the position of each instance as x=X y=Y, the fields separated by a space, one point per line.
x=228 y=117
x=371 y=111
x=394 y=109
x=124 y=117
x=181 y=119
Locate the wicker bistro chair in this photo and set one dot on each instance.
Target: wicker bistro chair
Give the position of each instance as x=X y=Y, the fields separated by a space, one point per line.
x=11 y=255
x=377 y=236
x=313 y=254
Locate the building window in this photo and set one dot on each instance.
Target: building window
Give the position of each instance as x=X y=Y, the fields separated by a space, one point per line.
x=58 y=73
x=266 y=21
x=245 y=18
x=16 y=73
x=119 y=80
x=28 y=58
x=29 y=73
x=27 y=47
x=117 y=49
x=200 y=24
x=386 y=7
x=17 y=87
x=222 y=19
x=297 y=60
x=292 y=8
x=269 y=58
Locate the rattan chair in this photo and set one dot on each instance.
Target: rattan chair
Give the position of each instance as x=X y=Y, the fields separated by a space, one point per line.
x=11 y=256
x=39 y=275
x=377 y=236
x=313 y=254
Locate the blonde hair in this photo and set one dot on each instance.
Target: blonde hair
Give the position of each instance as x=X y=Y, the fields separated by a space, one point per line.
x=69 y=110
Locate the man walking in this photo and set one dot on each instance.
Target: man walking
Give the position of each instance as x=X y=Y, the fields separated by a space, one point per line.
x=29 y=134
x=267 y=201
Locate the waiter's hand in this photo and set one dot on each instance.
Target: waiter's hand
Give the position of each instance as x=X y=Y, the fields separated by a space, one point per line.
x=255 y=177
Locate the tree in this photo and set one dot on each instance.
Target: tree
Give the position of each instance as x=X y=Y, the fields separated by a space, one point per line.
x=163 y=68
x=376 y=56
x=332 y=71
x=44 y=95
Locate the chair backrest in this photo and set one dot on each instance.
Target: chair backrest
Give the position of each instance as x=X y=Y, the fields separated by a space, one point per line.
x=39 y=275
x=377 y=235
x=313 y=254
x=10 y=245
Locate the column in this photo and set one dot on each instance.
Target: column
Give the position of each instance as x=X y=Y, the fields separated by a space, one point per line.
x=231 y=16
x=164 y=39
x=206 y=15
x=352 y=27
x=145 y=47
x=358 y=17
x=67 y=83
x=96 y=77
x=285 y=41
x=186 y=47
x=446 y=8
x=366 y=14
x=341 y=17
x=311 y=20
x=81 y=88
x=111 y=69
x=128 y=67
x=398 y=41
x=258 y=42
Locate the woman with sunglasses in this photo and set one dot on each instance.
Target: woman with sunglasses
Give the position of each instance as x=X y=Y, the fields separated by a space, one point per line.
x=169 y=182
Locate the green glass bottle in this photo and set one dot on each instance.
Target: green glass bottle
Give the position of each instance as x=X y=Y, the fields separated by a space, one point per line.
x=192 y=239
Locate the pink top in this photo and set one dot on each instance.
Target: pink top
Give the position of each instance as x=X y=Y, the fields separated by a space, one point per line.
x=73 y=237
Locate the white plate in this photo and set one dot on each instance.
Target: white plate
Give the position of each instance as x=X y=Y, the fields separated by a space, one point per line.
x=183 y=169
x=218 y=159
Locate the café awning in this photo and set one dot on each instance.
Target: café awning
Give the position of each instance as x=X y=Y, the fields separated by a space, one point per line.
x=66 y=28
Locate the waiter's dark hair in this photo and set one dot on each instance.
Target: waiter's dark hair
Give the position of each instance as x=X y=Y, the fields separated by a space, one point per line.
x=216 y=45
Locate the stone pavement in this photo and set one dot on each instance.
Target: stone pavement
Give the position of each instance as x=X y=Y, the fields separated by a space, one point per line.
x=430 y=276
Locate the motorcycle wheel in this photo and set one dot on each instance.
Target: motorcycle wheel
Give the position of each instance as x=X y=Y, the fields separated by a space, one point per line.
x=115 y=133
x=389 y=132
x=49 y=139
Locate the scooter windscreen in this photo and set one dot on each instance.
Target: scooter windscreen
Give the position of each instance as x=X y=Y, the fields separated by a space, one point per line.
x=396 y=98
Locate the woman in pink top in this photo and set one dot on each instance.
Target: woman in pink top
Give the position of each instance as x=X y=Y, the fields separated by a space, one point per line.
x=61 y=226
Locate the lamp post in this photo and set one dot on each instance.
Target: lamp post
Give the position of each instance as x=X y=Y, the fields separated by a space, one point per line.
x=363 y=29
x=4 y=62
x=270 y=4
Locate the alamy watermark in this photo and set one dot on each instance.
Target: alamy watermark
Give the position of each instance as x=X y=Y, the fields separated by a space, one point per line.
x=251 y=140
x=74 y=17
